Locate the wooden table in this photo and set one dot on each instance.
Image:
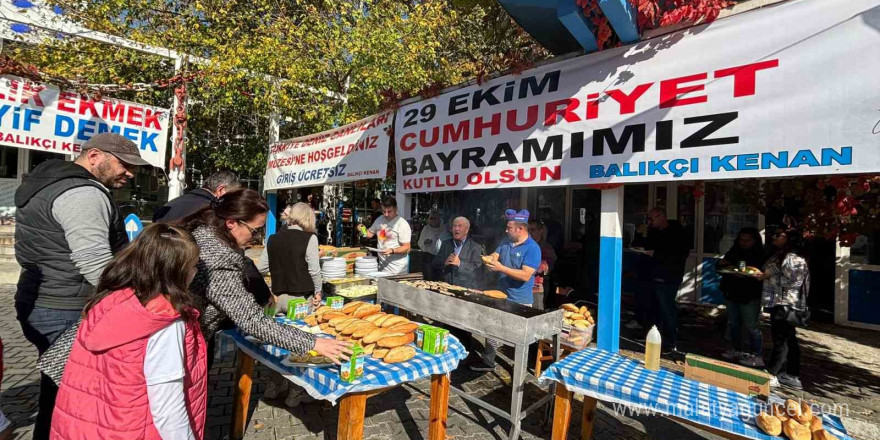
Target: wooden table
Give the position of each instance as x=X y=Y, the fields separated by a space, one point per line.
x=351 y=406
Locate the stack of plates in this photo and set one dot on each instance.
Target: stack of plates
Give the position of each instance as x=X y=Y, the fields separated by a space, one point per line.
x=379 y=274
x=334 y=268
x=366 y=265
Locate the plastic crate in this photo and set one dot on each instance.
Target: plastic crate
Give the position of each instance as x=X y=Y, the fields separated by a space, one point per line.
x=573 y=338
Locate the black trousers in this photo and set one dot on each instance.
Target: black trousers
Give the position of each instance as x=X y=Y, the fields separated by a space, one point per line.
x=786 y=355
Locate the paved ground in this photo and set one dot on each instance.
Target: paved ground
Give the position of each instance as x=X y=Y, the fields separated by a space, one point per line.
x=402 y=412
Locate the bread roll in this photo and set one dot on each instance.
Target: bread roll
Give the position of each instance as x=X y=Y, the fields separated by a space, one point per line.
x=347 y=323
x=368 y=349
x=823 y=435
x=322 y=310
x=577 y=317
x=793 y=409
x=363 y=330
x=311 y=321
x=379 y=353
x=816 y=424
x=495 y=294
x=778 y=410
x=351 y=307
x=326 y=328
x=393 y=340
x=806 y=415
x=567 y=321
x=399 y=354
x=487 y=258
x=374 y=317
x=367 y=310
x=583 y=323
x=584 y=311
x=392 y=321
x=795 y=431
x=407 y=327
x=571 y=308
x=337 y=320
x=374 y=335
x=382 y=319
x=329 y=316
x=769 y=424
x=567 y=315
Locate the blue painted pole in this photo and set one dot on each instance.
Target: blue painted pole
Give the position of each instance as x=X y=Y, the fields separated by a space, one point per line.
x=610 y=269
x=622 y=16
x=572 y=17
x=272 y=217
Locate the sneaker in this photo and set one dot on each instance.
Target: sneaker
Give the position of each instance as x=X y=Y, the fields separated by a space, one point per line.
x=790 y=381
x=750 y=360
x=634 y=325
x=482 y=366
x=774 y=382
x=732 y=355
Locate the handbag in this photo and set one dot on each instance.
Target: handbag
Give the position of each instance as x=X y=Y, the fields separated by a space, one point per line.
x=52 y=361
x=796 y=317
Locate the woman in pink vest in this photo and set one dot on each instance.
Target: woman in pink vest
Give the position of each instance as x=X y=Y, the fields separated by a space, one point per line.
x=138 y=368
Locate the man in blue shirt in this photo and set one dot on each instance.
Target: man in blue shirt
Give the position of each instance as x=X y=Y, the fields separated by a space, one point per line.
x=515 y=260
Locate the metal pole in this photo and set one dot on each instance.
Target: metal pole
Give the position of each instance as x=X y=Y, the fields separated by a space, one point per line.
x=272 y=197
x=610 y=268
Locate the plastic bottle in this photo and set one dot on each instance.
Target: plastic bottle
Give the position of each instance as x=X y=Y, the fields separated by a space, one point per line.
x=652 y=349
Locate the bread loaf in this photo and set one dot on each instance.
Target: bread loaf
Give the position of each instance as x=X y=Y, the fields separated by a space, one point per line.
x=823 y=435
x=816 y=424
x=577 y=317
x=367 y=310
x=342 y=325
x=806 y=415
x=407 y=327
x=399 y=354
x=769 y=423
x=570 y=308
x=311 y=321
x=778 y=410
x=335 y=321
x=368 y=349
x=349 y=308
x=495 y=294
x=795 y=431
x=392 y=321
x=374 y=335
x=379 y=353
x=583 y=323
x=382 y=319
x=393 y=340
x=584 y=311
x=322 y=310
x=329 y=316
x=374 y=317
x=793 y=409
x=363 y=330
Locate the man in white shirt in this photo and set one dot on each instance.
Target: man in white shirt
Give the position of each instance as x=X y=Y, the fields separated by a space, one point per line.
x=394 y=235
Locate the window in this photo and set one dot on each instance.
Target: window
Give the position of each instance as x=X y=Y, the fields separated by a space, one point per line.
x=635 y=208
x=8 y=163
x=687 y=209
x=38 y=157
x=728 y=209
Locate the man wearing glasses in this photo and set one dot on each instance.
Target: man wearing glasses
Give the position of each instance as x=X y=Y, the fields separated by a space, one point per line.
x=67 y=229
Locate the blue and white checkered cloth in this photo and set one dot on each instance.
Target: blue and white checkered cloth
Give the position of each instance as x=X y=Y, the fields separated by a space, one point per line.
x=324 y=383
x=629 y=387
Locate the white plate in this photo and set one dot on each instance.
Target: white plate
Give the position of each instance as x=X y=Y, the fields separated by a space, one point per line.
x=379 y=274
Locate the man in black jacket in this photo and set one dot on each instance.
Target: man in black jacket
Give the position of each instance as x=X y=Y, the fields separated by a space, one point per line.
x=458 y=262
x=669 y=248
x=215 y=185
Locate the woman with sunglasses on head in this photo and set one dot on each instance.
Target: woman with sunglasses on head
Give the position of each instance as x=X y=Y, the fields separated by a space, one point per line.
x=222 y=231
x=786 y=279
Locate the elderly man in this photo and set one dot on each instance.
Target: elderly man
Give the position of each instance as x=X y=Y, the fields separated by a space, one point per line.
x=458 y=262
x=215 y=185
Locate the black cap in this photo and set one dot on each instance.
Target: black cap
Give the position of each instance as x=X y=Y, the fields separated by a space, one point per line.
x=121 y=147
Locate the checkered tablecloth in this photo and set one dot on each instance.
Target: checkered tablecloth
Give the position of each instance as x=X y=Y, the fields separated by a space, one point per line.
x=324 y=383
x=634 y=390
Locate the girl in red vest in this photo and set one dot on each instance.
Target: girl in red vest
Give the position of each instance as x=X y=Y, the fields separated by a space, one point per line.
x=138 y=367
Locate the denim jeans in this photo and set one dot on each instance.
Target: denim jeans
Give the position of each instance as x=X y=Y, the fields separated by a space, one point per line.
x=666 y=298
x=744 y=316
x=42 y=327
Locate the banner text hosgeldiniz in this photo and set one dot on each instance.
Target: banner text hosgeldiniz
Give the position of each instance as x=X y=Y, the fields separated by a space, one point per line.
x=42 y=117
x=354 y=152
x=686 y=106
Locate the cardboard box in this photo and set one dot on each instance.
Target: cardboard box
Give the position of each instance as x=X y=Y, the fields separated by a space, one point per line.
x=297 y=308
x=432 y=340
x=335 y=302
x=353 y=369
x=726 y=375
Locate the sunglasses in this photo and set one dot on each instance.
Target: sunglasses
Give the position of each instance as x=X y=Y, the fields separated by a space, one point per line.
x=254 y=231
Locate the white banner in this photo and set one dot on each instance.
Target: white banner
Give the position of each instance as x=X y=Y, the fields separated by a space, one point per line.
x=42 y=117
x=792 y=89
x=356 y=151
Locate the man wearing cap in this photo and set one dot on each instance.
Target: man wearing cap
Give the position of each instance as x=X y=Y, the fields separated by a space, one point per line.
x=515 y=260
x=67 y=229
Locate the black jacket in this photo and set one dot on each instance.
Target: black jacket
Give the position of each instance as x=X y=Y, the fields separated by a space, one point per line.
x=287 y=262
x=469 y=273
x=671 y=248
x=187 y=204
x=740 y=289
x=49 y=277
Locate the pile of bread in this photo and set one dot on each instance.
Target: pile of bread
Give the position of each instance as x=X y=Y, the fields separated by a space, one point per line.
x=384 y=336
x=575 y=316
x=795 y=420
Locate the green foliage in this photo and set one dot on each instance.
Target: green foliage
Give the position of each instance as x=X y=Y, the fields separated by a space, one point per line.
x=273 y=54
